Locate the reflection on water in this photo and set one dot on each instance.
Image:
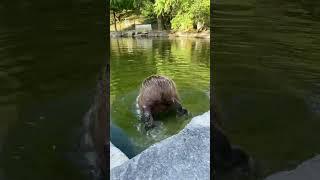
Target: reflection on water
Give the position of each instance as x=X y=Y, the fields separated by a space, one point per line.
x=267 y=81
x=50 y=56
x=186 y=61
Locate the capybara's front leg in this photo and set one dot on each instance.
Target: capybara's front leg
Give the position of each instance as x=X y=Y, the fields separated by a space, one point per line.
x=147 y=118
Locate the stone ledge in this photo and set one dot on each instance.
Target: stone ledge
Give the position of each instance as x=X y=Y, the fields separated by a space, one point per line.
x=116 y=156
x=184 y=156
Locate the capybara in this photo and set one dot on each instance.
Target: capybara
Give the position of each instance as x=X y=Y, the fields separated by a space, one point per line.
x=158 y=94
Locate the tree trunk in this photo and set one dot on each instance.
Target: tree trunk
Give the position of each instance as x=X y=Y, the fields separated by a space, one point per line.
x=159 y=23
x=115 y=21
x=119 y=18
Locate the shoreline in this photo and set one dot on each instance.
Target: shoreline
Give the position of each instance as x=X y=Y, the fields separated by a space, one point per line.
x=203 y=34
x=152 y=34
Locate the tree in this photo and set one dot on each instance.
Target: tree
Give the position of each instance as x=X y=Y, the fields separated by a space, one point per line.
x=200 y=10
x=165 y=10
x=120 y=7
x=183 y=14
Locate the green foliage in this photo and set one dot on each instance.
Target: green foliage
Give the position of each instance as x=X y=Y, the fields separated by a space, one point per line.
x=182 y=22
x=120 y=5
x=163 y=7
x=200 y=9
x=147 y=9
x=120 y=8
x=181 y=15
x=184 y=14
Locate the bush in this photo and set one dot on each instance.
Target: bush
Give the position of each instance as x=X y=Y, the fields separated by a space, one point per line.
x=182 y=22
x=185 y=13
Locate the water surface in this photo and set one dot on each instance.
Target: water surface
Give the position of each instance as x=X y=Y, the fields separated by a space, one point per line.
x=267 y=81
x=186 y=61
x=50 y=57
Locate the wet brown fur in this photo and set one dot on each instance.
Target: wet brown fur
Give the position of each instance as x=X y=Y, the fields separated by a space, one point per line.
x=157 y=94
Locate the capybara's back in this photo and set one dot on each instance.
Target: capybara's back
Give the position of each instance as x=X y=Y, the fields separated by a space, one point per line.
x=157 y=90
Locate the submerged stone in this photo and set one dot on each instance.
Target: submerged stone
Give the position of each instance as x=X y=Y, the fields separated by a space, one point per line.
x=308 y=170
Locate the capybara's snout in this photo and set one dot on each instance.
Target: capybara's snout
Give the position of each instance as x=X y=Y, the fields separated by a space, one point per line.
x=182 y=112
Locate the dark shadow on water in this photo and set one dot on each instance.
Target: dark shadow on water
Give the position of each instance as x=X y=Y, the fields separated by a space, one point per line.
x=121 y=141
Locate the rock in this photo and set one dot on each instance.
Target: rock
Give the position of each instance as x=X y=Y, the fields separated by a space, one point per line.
x=157 y=34
x=130 y=33
x=184 y=156
x=200 y=26
x=202 y=34
x=307 y=170
x=116 y=156
x=115 y=34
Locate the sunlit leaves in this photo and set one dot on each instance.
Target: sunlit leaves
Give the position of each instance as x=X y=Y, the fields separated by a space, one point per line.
x=185 y=13
x=120 y=5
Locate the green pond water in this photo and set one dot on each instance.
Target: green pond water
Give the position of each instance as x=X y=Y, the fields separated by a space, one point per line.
x=186 y=61
x=267 y=78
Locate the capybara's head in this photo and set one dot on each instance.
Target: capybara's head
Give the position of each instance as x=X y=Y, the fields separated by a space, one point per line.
x=158 y=94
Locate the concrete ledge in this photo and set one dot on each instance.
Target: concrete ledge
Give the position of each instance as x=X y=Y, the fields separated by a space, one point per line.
x=116 y=156
x=184 y=156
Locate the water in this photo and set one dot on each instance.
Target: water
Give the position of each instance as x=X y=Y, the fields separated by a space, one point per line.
x=186 y=61
x=267 y=81
x=50 y=57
